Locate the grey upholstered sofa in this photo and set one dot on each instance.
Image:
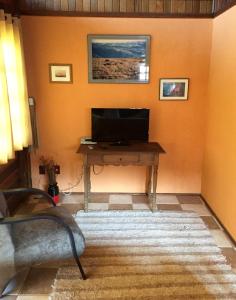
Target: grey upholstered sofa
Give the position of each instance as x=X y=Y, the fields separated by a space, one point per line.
x=44 y=236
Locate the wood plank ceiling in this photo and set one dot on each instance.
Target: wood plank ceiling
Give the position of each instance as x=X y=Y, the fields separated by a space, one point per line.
x=121 y=8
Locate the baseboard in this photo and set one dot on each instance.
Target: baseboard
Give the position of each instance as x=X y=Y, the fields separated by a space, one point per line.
x=218 y=220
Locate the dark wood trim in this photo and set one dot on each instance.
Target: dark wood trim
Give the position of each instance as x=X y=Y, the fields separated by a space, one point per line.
x=16 y=173
x=11 y=7
x=218 y=220
x=224 y=8
x=115 y=15
x=24 y=165
x=7 y=169
x=16 y=11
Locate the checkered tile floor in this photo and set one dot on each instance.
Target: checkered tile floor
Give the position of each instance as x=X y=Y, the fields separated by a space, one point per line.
x=37 y=284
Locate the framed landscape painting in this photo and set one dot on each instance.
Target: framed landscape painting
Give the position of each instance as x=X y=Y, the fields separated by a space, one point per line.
x=118 y=58
x=174 y=89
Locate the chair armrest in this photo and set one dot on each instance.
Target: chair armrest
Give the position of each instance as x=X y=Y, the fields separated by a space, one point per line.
x=33 y=217
x=53 y=217
x=31 y=191
x=41 y=216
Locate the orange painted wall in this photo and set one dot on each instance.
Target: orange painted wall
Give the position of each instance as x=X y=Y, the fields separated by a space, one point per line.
x=179 y=48
x=219 y=169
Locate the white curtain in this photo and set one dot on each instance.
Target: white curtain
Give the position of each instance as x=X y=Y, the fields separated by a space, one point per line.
x=15 y=127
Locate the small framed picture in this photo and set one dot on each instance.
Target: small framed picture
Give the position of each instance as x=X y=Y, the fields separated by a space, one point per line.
x=174 y=89
x=60 y=73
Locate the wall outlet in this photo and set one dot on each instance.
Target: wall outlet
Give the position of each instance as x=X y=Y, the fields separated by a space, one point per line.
x=57 y=169
x=42 y=170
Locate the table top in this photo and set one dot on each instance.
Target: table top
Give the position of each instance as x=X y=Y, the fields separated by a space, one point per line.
x=112 y=148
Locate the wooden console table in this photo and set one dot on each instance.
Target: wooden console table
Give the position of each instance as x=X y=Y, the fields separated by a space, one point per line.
x=135 y=154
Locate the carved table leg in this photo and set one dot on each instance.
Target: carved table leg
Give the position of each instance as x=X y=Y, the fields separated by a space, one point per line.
x=148 y=185
x=154 y=182
x=86 y=186
x=154 y=187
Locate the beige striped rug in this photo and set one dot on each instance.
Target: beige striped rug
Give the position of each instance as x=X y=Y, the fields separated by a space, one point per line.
x=143 y=255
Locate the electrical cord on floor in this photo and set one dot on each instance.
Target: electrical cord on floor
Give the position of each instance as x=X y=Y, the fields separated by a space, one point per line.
x=67 y=191
x=64 y=191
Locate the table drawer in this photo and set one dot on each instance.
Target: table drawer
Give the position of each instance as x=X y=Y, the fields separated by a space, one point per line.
x=125 y=158
x=122 y=159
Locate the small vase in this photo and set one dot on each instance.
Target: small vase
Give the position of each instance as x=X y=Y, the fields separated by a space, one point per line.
x=53 y=191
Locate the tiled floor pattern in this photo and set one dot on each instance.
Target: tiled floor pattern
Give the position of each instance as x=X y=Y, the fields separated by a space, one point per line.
x=38 y=282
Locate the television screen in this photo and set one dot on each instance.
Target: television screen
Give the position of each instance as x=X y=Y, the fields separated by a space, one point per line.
x=120 y=125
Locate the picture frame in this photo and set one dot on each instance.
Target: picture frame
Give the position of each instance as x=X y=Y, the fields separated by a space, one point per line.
x=60 y=73
x=174 y=89
x=118 y=58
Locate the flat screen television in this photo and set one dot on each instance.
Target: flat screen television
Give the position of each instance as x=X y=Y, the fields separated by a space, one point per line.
x=120 y=125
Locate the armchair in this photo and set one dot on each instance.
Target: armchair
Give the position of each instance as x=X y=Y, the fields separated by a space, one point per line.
x=44 y=236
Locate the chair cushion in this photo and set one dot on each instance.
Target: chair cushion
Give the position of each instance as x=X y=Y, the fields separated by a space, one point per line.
x=45 y=240
x=7 y=263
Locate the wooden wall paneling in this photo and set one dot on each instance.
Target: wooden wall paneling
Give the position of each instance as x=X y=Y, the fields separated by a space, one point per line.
x=94 y=6
x=196 y=6
x=57 y=5
x=202 y=8
x=145 y=6
x=9 y=6
x=71 y=5
x=101 y=5
x=178 y=6
x=138 y=6
x=159 y=6
x=64 y=5
x=37 y=4
x=130 y=4
x=152 y=6
x=224 y=2
x=9 y=174
x=211 y=6
x=188 y=6
x=216 y=5
x=24 y=167
x=49 y=5
x=24 y=5
x=86 y=6
x=108 y=6
x=206 y=7
x=12 y=180
x=116 y=5
x=123 y=6
x=181 y=8
x=9 y=178
x=167 y=6
x=79 y=5
x=221 y=5
x=32 y=4
x=16 y=173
